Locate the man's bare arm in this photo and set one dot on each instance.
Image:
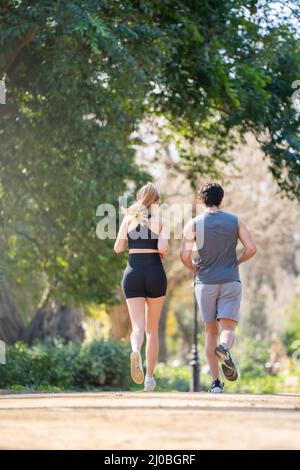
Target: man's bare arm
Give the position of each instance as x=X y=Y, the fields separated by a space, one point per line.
x=248 y=242
x=187 y=246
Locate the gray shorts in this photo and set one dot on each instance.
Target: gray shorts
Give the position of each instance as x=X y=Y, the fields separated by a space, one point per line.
x=217 y=301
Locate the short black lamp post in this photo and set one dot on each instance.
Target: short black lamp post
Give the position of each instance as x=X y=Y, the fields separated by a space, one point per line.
x=195 y=363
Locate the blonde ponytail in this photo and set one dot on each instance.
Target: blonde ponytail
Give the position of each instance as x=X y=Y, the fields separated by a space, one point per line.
x=146 y=196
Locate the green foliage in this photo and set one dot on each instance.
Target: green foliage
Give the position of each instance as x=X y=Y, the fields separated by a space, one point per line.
x=291 y=334
x=102 y=364
x=170 y=378
x=253 y=355
x=231 y=67
x=173 y=378
x=264 y=384
x=82 y=77
x=74 y=96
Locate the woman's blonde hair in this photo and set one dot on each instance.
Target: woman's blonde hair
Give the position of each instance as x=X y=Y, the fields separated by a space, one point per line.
x=146 y=196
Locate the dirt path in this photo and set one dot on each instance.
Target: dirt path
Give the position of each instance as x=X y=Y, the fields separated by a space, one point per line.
x=149 y=421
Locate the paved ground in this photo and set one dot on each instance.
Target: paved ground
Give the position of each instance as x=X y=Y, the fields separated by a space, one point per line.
x=149 y=421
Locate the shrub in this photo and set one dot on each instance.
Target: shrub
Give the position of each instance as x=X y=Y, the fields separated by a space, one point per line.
x=105 y=365
x=66 y=366
x=254 y=353
x=291 y=332
x=173 y=378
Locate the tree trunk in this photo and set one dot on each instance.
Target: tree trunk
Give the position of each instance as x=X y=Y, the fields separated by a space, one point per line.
x=11 y=325
x=55 y=321
x=120 y=322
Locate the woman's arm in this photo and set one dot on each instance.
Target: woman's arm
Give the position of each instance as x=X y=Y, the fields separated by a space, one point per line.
x=163 y=239
x=121 y=241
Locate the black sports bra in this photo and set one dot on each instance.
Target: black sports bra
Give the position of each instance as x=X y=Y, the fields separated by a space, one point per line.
x=142 y=237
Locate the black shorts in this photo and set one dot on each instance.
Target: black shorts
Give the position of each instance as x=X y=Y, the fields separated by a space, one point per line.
x=144 y=276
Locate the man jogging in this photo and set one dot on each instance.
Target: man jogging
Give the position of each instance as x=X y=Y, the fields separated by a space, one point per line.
x=218 y=288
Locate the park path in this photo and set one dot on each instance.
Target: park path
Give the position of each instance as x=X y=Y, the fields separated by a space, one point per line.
x=140 y=420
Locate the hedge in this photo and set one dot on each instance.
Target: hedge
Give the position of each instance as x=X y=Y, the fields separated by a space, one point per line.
x=71 y=366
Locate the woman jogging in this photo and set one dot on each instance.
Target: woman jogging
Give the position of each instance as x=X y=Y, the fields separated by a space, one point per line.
x=144 y=281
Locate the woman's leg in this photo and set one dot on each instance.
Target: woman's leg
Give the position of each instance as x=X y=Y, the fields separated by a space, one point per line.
x=153 y=309
x=136 y=308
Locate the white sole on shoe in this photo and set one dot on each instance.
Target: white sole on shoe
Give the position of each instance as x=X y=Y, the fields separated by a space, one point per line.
x=137 y=373
x=228 y=367
x=216 y=390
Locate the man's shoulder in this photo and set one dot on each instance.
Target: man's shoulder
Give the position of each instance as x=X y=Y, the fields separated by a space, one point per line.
x=197 y=221
x=198 y=217
x=230 y=215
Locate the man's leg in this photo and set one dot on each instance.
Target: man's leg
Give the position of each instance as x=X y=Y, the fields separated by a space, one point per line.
x=227 y=332
x=211 y=337
x=227 y=337
x=206 y=295
x=228 y=305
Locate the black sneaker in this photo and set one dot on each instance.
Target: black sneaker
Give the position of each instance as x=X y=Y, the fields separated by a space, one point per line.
x=228 y=367
x=216 y=387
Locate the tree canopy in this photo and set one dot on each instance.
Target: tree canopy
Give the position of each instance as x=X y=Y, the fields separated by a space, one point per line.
x=80 y=77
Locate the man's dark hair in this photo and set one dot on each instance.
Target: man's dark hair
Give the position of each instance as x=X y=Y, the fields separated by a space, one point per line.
x=211 y=194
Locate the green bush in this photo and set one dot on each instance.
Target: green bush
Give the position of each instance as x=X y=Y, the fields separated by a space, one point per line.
x=253 y=355
x=173 y=378
x=291 y=334
x=259 y=385
x=178 y=379
x=66 y=366
x=105 y=365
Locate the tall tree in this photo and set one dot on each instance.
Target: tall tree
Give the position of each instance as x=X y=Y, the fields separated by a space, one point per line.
x=75 y=94
x=80 y=77
x=231 y=67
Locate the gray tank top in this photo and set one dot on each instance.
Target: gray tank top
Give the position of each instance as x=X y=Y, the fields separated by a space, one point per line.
x=216 y=239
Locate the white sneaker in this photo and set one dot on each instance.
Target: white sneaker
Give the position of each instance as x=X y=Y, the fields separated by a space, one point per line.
x=137 y=373
x=150 y=384
x=216 y=387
